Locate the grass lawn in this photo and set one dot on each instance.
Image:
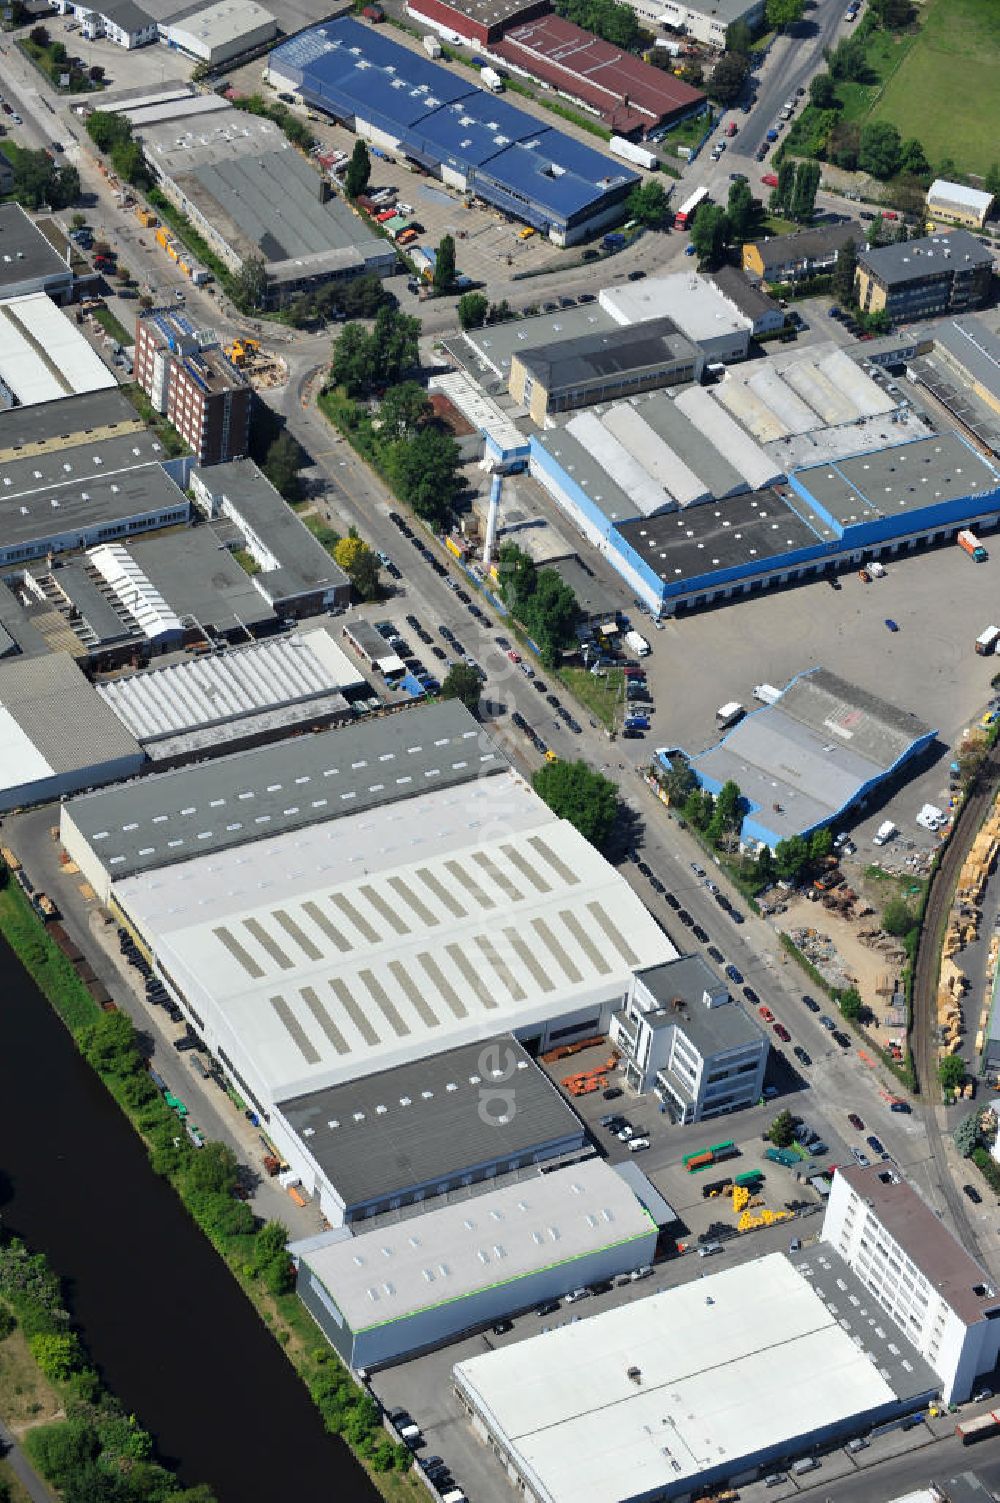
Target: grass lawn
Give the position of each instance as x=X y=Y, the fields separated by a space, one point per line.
x=27 y=1398
x=112 y=326
x=601 y=697
x=320 y=531
x=884 y=53
x=947 y=91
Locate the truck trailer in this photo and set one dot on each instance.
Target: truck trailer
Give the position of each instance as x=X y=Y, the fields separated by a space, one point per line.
x=630 y=151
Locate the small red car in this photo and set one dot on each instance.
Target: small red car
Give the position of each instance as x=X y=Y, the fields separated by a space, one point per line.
x=782 y=1032
x=767 y=1015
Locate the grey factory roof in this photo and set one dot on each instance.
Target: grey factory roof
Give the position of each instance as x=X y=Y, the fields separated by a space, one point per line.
x=263 y=686
x=912 y=260
x=303 y=564
x=959 y=1280
x=596 y=600
x=454 y=1251
x=601 y=489
x=30 y=517
x=490 y=12
x=744 y=529
x=90 y=417
x=496 y=344
x=423 y=1121
x=660 y=413
x=908 y=477
x=44 y=696
x=126 y=14
x=601 y=355
x=154 y=823
x=72 y=466
x=223 y=21
x=24 y=250
x=974 y=347
x=738 y=288
x=93 y=605
x=274 y=201
x=199 y=578
x=710 y=1029
x=803 y=759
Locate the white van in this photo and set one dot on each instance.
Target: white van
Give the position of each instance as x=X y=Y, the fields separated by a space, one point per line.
x=884 y=833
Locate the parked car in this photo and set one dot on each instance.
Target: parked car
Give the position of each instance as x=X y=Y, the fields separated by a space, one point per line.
x=612 y=1092
x=767 y=1015
x=875 y=1144
x=637 y=1145
x=576 y=1294
x=801 y=1055
x=855 y=1121
x=782 y=1033
x=734 y=974
x=974 y=1196
x=810 y=1002
x=502 y=1327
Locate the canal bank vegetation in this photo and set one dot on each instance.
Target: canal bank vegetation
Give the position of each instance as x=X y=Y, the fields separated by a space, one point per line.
x=209 y=1185
x=76 y=1433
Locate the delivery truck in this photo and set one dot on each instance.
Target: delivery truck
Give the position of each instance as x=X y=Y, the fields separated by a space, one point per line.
x=971 y=545
x=631 y=151
x=766 y=694
x=432 y=46
x=637 y=644
x=729 y=714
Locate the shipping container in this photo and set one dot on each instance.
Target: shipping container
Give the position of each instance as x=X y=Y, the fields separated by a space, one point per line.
x=630 y=151
x=982 y=1428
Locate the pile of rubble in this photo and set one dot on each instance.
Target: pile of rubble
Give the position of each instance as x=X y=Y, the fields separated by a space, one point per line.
x=820 y=950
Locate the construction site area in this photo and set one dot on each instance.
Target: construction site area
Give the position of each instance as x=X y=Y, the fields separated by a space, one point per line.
x=262 y=368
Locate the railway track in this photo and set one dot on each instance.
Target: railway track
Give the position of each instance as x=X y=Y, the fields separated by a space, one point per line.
x=925 y=981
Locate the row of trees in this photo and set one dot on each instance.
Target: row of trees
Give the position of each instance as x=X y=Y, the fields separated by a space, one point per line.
x=294 y=128
x=578 y=793
x=715 y=229
x=99 y=1453
x=366 y=361
x=112 y=134
x=540 y=600
x=54 y=60
x=361 y=297
x=795 y=195
x=475 y=309
x=616 y=23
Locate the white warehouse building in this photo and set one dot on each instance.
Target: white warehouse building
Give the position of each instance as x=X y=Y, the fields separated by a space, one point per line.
x=388 y=1293
x=217 y=33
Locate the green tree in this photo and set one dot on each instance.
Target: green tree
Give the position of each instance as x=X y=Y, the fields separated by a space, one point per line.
x=710 y=234
x=359 y=170
x=741 y=211
x=848 y=62
x=58 y=1356
x=617 y=24
x=444 y=265
x=647 y=203
x=728 y=78
x=359 y=564
x=851 y=1005
x=913 y=159
x=105 y=128
x=891 y=15
x=951 y=1072
x=729 y=806
x=462 y=682
x=250 y=284
x=804 y=193
x=362 y=297
x=791 y=858
x=577 y=793
x=820 y=845
x=823 y=92
x=62 y=1449
x=95 y=1484
x=782 y=1130
x=844 y=272
x=128 y=161
x=781 y=196
x=423 y=469
x=739 y=38
x=472 y=310
x=39 y=36
x=880 y=149
x=282 y=463
x=403 y=409
x=35 y=179
x=352 y=366
x=680 y=781
x=783 y=13
x=898 y=918
x=991 y=182
x=395 y=343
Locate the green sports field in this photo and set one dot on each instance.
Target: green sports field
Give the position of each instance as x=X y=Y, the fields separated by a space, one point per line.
x=946 y=91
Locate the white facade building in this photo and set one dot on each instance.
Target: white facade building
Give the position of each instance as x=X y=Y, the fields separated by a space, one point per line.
x=121 y=21
x=683 y=1037
x=217 y=33
x=694 y=303
x=707 y=22
x=940 y=1298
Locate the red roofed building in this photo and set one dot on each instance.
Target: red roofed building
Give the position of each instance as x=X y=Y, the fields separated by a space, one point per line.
x=479 y=21
x=629 y=95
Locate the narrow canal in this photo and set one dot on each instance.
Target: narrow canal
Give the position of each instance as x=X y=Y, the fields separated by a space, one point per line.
x=169 y=1329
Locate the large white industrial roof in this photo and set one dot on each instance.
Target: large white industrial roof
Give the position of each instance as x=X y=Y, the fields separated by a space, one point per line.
x=231 y=686
x=43 y=356
x=117 y=566
x=942 y=191
x=694 y=303
x=352 y=946
x=722 y=1368
x=628 y=469
x=661 y=461
x=497 y=1238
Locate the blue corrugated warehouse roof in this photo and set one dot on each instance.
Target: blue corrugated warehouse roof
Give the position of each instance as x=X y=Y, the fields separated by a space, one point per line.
x=351 y=70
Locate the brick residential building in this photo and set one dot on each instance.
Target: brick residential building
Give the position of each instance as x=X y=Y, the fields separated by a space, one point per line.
x=188 y=379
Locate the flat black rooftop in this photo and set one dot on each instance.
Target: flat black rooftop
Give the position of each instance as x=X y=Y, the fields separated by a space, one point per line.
x=423 y=1122
x=741 y=530
x=933 y=255
x=606 y=353
x=25 y=253
x=91 y=416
